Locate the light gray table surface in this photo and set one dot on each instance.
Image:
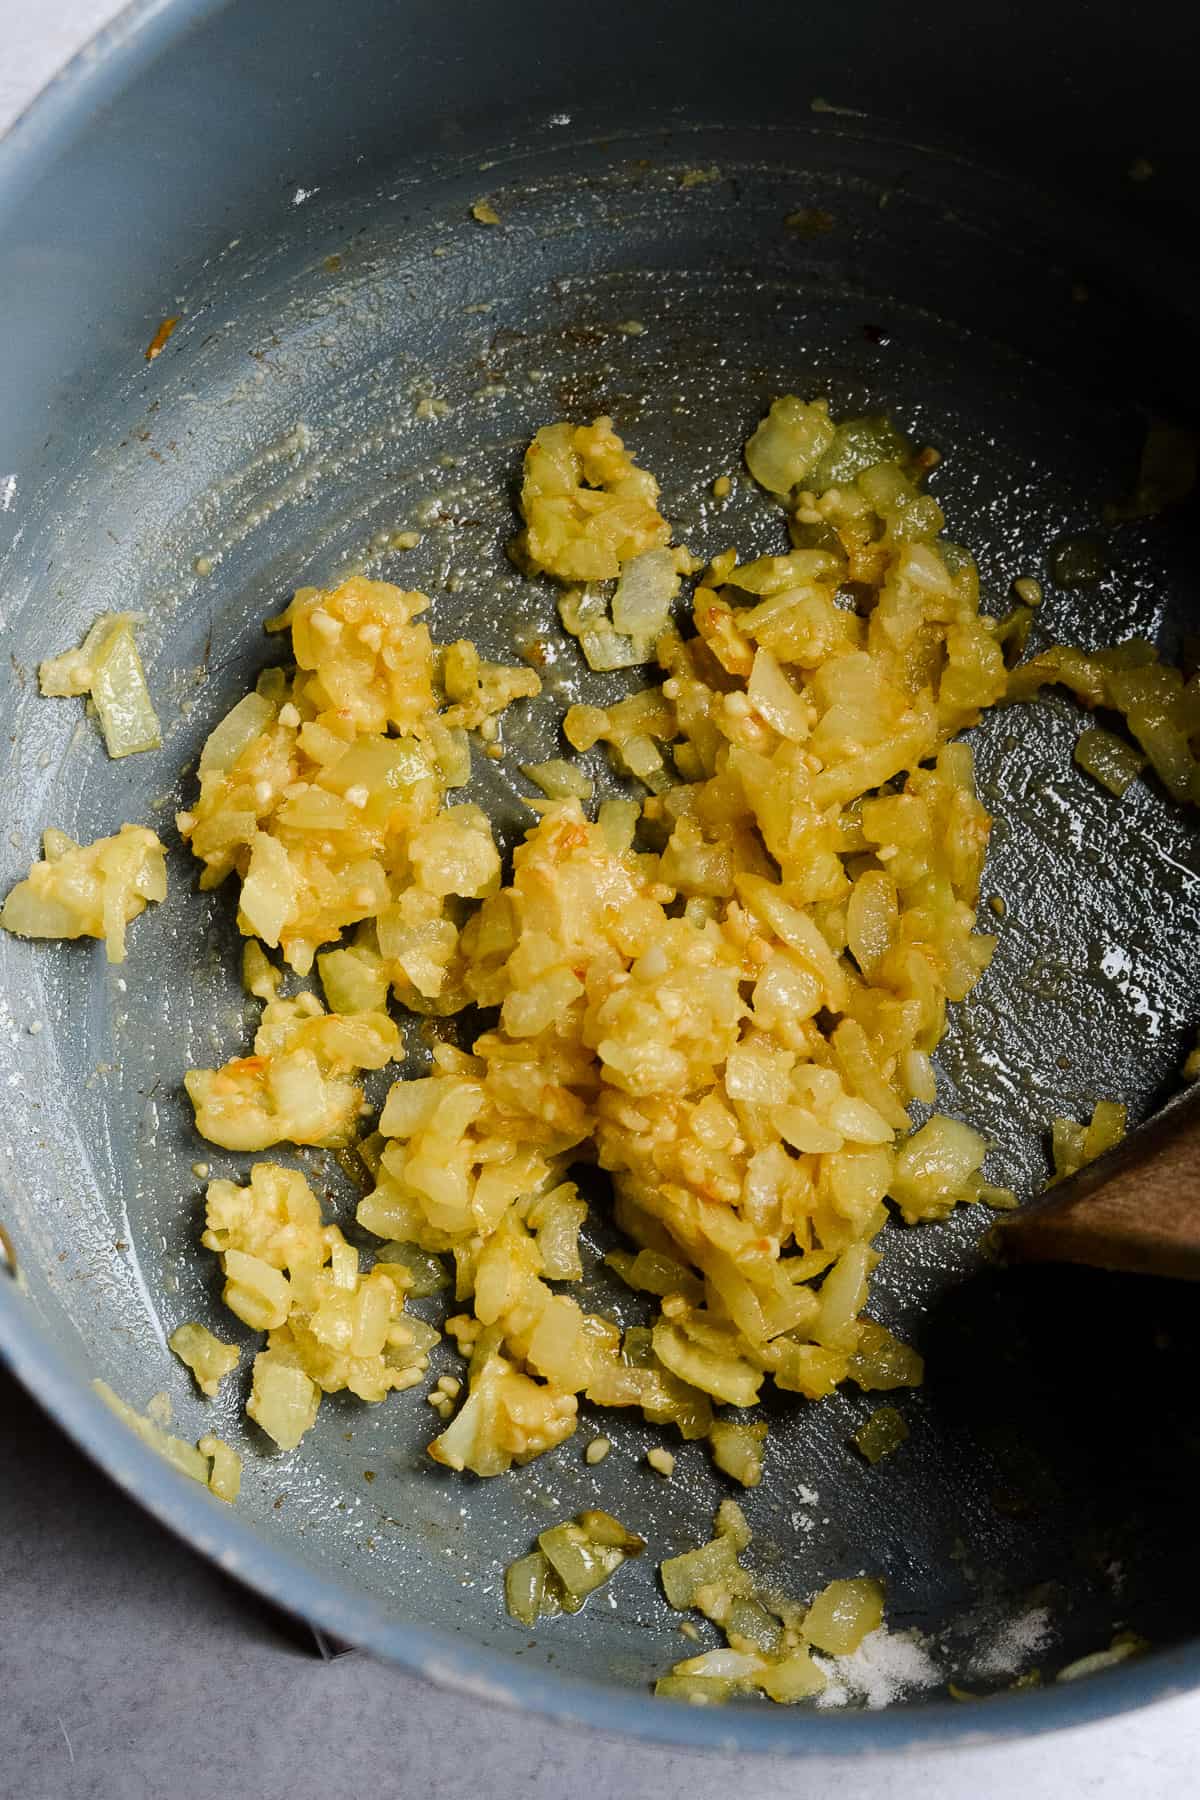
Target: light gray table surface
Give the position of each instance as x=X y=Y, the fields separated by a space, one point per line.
x=129 y=1669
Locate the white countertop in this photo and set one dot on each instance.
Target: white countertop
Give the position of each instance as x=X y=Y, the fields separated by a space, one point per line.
x=129 y=1669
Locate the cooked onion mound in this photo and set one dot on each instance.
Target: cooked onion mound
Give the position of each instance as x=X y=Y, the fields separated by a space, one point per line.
x=726 y=994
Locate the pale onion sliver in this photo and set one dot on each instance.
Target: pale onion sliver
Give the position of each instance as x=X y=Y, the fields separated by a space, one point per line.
x=238 y=729
x=805 y=1133
x=641 y=605
x=872 y=918
x=268 y=896
x=731 y=1665
x=797 y=930
x=776 y=700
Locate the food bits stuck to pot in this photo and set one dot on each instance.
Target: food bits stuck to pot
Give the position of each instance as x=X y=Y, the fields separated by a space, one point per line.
x=809 y=222
x=661 y=1461
x=1027 y=590
x=484 y=213
x=158 y=342
x=596 y=1451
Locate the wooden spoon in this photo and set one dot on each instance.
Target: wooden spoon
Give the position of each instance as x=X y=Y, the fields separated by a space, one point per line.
x=1135 y=1209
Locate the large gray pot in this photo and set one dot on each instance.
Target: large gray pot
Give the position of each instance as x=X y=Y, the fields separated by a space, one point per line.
x=294 y=181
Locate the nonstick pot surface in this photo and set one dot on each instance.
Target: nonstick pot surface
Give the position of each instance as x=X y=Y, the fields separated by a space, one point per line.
x=375 y=367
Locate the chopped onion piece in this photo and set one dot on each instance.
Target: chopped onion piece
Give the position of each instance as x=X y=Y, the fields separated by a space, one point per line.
x=184 y=1457
x=776 y=700
x=641 y=605
x=121 y=697
x=558 y=779
x=107 y=666
x=789 y=443
x=730 y=1665
x=606 y=649
x=237 y=730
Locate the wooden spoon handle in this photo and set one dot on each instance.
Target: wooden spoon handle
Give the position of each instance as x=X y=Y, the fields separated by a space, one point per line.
x=1136 y=1209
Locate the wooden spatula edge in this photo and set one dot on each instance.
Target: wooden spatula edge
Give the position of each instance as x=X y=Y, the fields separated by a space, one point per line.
x=1136 y=1209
